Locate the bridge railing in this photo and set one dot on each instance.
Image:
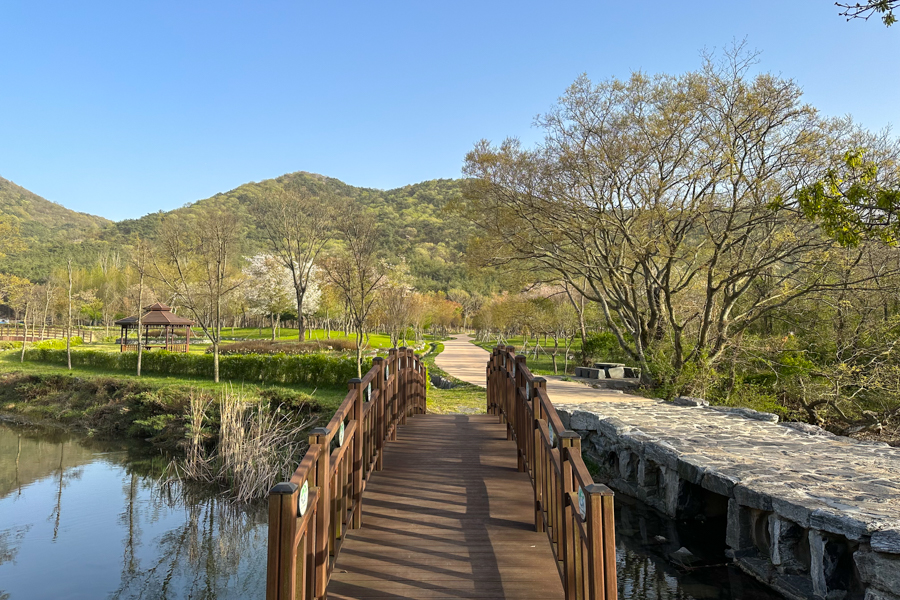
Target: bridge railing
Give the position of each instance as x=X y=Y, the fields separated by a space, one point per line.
x=576 y=513
x=310 y=514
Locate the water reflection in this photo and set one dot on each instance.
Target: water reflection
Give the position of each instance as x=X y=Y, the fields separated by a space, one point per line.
x=83 y=519
x=645 y=540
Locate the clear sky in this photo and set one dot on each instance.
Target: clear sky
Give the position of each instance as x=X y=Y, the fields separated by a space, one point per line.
x=121 y=108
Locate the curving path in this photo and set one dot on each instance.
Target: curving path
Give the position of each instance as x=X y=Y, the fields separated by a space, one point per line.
x=466 y=361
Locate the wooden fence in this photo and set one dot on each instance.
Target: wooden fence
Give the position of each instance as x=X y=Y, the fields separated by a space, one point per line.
x=575 y=512
x=309 y=514
x=15 y=332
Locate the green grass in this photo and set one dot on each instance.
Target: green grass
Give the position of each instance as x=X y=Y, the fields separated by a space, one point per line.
x=328 y=397
x=464 y=398
x=543 y=365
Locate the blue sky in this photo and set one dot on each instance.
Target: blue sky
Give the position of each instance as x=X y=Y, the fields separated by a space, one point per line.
x=124 y=108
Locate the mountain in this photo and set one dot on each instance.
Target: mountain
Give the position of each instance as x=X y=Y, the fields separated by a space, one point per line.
x=39 y=217
x=47 y=229
x=414 y=220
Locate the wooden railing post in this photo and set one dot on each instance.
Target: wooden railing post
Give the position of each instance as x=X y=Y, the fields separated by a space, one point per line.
x=516 y=426
x=319 y=435
x=601 y=544
x=403 y=383
x=281 y=560
x=570 y=442
x=357 y=477
x=391 y=391
x=538 y=383
x=380 y=427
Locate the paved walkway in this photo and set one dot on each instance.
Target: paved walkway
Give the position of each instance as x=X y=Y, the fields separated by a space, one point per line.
x=466 y=361
x=450 y=516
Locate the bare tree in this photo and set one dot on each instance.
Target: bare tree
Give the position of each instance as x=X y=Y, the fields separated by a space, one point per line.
x=69 y=272
x=297 y=226
x=356 y=271
x=197 y=262
x=140 y=256
x=657 y=198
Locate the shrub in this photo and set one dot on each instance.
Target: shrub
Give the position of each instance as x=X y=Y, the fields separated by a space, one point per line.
x=602 y=346
x=313 y=369
x=58 y=344
x=269 y=347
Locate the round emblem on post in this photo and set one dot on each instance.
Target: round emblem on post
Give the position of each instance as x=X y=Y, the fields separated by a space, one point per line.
x=582 y=502
x=552 y=437
x=341 y=434
x=303 y=499
x=369 y=392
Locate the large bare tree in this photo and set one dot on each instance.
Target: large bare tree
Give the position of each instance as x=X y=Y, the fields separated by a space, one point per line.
x=197 y=262
x=297 y=226
x=356 y=270
x=661 y=199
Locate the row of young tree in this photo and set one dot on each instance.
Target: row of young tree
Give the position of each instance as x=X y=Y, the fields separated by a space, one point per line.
x=736 y=244
x=322 y=267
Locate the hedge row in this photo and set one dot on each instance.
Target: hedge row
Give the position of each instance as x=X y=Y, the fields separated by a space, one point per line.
x=312 y=369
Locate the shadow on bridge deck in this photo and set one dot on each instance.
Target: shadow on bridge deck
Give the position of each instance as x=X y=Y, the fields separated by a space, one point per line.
x=448 y=517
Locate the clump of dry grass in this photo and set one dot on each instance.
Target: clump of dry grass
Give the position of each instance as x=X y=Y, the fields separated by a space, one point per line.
x=257 y=446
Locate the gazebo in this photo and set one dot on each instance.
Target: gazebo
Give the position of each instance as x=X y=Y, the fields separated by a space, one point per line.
x=158 y=316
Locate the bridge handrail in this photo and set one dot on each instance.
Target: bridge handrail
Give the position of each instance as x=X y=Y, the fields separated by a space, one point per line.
x=303 y=544
x=576 y=513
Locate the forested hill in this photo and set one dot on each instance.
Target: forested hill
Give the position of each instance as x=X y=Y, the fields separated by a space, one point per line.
x=38 y=217
x=414 y=225
x=47 y=230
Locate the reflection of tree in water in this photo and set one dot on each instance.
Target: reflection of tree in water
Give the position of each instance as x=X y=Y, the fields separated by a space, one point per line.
x=63 y=478
x=10 y=541
x=201 y=558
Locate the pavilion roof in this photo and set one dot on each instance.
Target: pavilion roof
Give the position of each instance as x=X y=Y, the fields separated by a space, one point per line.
x=157 y=314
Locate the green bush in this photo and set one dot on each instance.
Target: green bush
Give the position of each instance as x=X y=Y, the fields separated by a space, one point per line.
x=314 y=369
x=602 y=347
x=58 y=344
x=270 y=347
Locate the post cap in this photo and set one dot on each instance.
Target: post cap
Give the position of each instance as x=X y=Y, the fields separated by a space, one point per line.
x=355 y=380
x=538 y=380
x=286 y=487
x=377 y=359
x=520 y=358
x=510 y=348
x=598 y=488
x=320 y=431
x=569 y=434
x=402 y=348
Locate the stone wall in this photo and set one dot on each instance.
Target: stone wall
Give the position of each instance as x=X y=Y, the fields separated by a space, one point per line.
x=811 y=514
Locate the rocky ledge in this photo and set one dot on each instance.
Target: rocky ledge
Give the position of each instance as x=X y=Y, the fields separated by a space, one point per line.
x=811 y=514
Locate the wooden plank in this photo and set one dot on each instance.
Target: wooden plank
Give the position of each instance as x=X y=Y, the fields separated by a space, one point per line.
x=449 y=516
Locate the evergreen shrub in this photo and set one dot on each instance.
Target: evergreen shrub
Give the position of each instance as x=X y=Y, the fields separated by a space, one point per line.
x=312 y=369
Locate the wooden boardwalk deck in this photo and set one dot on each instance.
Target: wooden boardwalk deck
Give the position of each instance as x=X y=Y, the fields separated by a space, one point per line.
x=448 y=517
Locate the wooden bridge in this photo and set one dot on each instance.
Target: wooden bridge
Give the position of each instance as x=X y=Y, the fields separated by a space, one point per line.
x=390 y=502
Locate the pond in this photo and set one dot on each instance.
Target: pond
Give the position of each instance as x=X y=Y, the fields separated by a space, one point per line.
x=82 y=519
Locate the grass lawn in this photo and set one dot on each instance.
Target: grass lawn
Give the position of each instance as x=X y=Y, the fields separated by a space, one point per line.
x=543 y=365
x=328 y=397
x=465 y=398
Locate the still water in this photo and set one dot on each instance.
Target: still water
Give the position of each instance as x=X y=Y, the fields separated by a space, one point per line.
x=81 y=519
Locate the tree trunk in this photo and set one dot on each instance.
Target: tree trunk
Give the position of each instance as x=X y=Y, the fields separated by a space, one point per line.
x=140 y=321
x=216 y=361
x=69 y=320
x=359 y=336
x=24 y=332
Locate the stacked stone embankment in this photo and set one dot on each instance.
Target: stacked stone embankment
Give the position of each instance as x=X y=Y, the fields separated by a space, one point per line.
x=809 y=513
